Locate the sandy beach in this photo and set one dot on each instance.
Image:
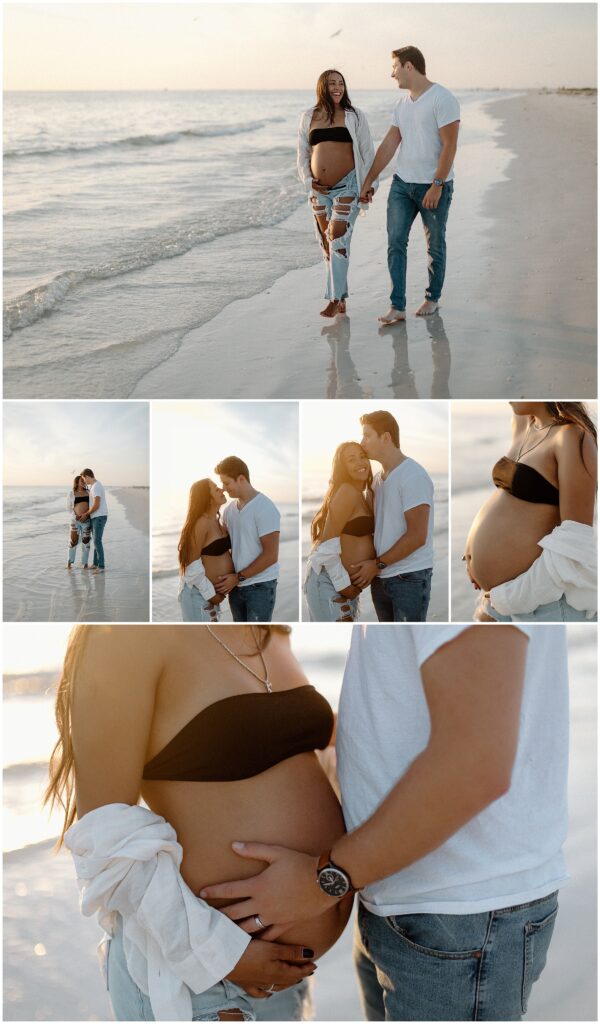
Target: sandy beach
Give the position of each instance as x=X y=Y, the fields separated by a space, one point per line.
x=38 y=587
x=51 y=971
x=518 y=313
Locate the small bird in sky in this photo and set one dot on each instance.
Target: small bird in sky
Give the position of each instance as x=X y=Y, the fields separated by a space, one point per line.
x=334 y=34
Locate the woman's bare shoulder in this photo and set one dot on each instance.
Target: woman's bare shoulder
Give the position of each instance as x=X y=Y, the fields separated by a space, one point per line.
x=572 y=441
x=122 y=656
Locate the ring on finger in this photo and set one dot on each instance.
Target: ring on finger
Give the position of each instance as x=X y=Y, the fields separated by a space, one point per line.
x=259 y=924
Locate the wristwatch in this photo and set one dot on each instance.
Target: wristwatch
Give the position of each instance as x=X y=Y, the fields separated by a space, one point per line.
x=438 y=181
x=380 y=564
x=334 y=881
x=241 y=577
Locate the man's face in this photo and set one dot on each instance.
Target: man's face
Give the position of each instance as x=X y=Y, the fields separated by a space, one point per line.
x=231 y=486
x=371 y=441
x=87 y=480
x=399 y=73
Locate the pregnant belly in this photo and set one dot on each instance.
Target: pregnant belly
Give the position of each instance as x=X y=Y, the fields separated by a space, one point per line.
x=503 y=539
x=356 y=549
x=331 y=161
x=217 y=565
x=291 y=804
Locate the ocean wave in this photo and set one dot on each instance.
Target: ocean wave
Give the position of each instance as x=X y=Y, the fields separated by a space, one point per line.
x=164 y=574
x=16 y=772
x=267 y=210
x=145 y=141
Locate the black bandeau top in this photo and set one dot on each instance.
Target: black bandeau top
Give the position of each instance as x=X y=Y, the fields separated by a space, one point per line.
x=218 y=546
x=82 y=498
x=360 y=526
x=243 y=735
x=329 y=135
x=524 y=482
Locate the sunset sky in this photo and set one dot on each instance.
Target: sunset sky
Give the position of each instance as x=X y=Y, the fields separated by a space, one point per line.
x=285 y=46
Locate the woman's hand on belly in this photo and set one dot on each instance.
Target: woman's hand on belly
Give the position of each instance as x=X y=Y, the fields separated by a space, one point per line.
x=267 y=964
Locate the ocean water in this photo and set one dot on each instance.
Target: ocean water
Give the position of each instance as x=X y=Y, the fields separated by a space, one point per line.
x=134 y=217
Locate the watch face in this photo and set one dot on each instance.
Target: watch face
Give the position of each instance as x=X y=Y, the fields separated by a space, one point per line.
x=333 y=881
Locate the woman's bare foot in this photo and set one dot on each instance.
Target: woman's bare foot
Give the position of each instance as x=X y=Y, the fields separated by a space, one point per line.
x=342 y=307
x=427 y=308
x=393 y=316
x=332 y=309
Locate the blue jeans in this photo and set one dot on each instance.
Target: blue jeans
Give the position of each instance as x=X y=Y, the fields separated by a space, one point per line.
x=130 y=1003
x=325 y=604
x=98 y=524
x=337 y=254
x=452 y=966
x=555 y=611
x=79 y=533
x=195 y=608
x=254 y=603
x=405 y=201
x=403 y=598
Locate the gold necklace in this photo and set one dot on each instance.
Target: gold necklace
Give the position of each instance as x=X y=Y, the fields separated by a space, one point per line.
x=541 y=441
x=266 y=681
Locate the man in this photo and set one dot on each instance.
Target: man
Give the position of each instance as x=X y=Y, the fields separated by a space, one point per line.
x=425 y=126
x=400 y=576
x=253 y=523
x=452 y=747
x=97 y=514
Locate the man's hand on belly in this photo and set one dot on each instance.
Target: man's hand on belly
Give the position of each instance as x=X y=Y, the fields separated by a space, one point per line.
x=287 y=891
x=267 y=967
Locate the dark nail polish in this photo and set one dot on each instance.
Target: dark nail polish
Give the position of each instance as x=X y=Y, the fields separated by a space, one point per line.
x=308 y=953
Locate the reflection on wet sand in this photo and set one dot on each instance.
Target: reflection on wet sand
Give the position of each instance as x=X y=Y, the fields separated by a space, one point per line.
x=344 y=381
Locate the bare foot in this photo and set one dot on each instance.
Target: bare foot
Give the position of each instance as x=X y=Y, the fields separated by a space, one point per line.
x=97 y=570
x=393 y=316
x=331 y=309
x=342 y=306
x=69 y=566
x=427 y=308
x=87 y=567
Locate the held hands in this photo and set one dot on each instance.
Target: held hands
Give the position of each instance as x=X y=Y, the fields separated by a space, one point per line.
x=285 y=892
x=366 y=194
x=361 y=573
x=317 y=187
x=226 y=583
x=432 y=197
x=216 y=600
x=271 y=965
x=350 y=592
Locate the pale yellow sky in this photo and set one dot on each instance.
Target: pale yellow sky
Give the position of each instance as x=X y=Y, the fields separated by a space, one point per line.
x=285 y=46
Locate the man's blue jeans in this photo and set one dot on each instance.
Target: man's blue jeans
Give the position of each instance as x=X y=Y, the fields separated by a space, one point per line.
x=452 y=966
x=405 y=201
x=98 y=524
x=403 y=598
x=254 y=603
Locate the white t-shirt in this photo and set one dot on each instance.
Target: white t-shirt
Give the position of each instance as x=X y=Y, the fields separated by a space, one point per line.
x=407 y=486
x=419 y=122
x=97 y=491
x=511 y=852
x=246 y=526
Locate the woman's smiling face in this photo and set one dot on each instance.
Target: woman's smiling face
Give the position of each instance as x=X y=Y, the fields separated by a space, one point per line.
x=336 y=87
x=217 y=495
x=356 y=463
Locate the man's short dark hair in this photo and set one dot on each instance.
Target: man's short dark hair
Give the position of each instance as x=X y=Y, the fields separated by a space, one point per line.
x=233 y=467
x=88 y=472
x=412 y=54
x=383 y=423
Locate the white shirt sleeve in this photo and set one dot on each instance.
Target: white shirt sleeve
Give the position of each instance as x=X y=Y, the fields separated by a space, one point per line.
x=365 y=144
x=446 y=108
x=70 y=500
x=267 y=518
x=416 y=489
x=396 y=116
x=429 y=639
x=195 y=576
x=303 y=155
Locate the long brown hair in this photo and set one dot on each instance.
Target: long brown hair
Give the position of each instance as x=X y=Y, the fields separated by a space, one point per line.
x=577 y=414
x=324 y=100
x=61 y=769
x=199 y=502
x=339 y=476
x=76 y=483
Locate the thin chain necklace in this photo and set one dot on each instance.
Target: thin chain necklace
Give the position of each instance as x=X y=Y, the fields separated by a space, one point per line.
x=548 y=428
x=266 y=681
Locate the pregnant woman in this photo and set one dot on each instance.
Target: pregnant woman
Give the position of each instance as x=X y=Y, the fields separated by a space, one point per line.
x=531 y=547
x=342 y=535
x=215 y=728
x=80 y=530
x=335 y=151
x=204 y=554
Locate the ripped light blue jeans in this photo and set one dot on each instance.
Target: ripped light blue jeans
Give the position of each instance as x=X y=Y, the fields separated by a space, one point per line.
x=324 y=602
x=337 y=254
x=130 y=1003
x=195 y=608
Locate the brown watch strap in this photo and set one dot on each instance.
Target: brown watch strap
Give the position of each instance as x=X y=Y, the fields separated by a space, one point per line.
x=323 y=860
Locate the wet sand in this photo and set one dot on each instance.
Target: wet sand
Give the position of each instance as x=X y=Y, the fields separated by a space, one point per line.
x=518 y=316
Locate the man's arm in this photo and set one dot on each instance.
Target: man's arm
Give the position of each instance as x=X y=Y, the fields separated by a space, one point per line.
x=449 y=137
x=268 y=556
x=384 y=154
x=417 y=524
x=473 y=687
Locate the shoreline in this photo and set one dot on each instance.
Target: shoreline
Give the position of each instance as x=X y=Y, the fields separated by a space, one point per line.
x=500 y=314
x=136 y=505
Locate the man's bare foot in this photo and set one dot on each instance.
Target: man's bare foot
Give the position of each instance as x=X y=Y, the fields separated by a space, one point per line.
x=342 y=306
x=69 y=566
x=393 y=316
x=331 y=309
x=87 y=567
x=97 y=570
x=427 y=308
